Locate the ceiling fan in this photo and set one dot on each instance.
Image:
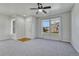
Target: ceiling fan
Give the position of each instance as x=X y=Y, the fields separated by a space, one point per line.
x=41 y=8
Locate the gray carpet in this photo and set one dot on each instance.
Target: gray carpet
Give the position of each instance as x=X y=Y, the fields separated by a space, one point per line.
x=37 y=47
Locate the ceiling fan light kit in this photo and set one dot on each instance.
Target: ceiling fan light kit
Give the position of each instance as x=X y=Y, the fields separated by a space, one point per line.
x=40 y=10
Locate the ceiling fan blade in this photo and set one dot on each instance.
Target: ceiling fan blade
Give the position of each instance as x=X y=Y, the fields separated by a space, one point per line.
x=44 y=11
x=33 y=8
x=47 y=7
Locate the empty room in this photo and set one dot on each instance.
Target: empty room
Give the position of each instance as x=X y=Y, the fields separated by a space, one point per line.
x=39 y=29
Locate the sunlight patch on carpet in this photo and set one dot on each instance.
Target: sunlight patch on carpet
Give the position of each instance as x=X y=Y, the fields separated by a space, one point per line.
x=24 y=39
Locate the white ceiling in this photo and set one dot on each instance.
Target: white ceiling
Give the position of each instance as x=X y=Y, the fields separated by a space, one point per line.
x=13 y=9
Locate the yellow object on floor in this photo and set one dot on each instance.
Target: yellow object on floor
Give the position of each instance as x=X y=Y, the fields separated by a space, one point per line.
x=24 y=39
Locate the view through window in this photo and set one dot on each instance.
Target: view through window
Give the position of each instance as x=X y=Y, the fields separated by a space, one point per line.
x=45 y=24
x=51 y=25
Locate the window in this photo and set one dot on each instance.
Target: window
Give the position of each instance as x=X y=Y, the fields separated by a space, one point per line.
x=51 y=25
x=45 y=24
x=54 y=25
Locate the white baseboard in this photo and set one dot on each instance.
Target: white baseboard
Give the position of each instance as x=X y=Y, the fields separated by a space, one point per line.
x=75 y=47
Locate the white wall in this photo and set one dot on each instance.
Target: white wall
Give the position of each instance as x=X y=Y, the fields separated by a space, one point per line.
x=5 y=27
x=30 y=24
x=25 y=26
x=75 y=27
x=66 y=26
x=19 y=27
x=65 y=23
x=30 y=27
